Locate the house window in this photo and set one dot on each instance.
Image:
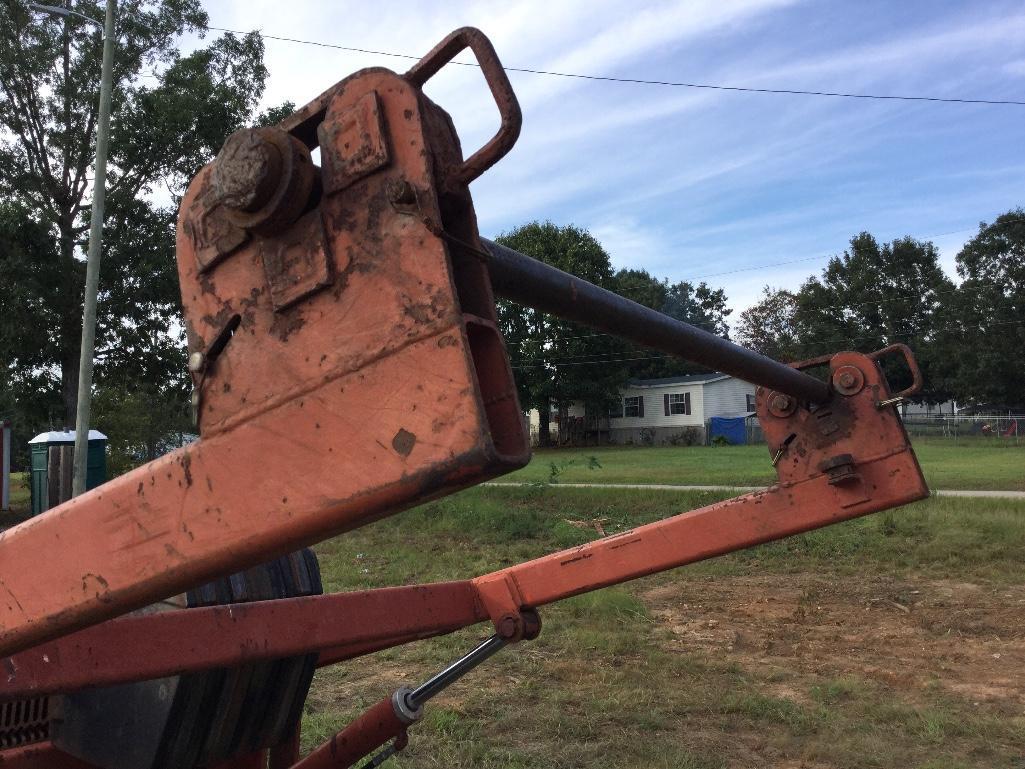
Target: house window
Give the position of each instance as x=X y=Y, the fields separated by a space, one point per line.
x=677 y=403
x=750 y=401
x=633 y=406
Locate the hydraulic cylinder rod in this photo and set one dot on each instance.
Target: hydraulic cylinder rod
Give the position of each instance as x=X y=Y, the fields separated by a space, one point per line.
x=527 y=281
x=437 y=683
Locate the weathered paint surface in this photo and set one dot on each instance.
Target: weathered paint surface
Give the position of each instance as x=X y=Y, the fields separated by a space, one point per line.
x=367 y=395
x=871 y=465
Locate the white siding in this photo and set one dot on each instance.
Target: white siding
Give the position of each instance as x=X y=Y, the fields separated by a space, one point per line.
x=576 y=409
x=654 y=407
x=707 y=399
x=727 y=397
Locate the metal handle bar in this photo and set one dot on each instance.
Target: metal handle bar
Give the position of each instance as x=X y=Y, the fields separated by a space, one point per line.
x=508 y=107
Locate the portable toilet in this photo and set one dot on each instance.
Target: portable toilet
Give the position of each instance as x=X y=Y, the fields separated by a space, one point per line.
x=52 y=466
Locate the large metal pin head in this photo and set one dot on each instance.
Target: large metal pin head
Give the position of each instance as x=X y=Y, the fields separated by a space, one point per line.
x=247 y=170
x=264 y=178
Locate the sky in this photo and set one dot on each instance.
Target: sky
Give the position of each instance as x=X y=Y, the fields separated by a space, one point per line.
x=741 y=190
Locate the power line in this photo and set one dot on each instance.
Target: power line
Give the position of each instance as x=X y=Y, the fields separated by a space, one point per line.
x=640 y=81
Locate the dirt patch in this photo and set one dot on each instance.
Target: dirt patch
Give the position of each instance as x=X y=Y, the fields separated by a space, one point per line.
x=967 y=638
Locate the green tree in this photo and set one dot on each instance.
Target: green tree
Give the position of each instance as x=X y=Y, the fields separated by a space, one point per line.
x=29 y=321
x=983 y=331
x=171 y=113
x=557 y=362
x=770 y=325
x=873 y=296
x=699 y=305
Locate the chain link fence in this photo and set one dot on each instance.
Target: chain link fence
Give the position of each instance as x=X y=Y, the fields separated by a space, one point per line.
x=997 y=427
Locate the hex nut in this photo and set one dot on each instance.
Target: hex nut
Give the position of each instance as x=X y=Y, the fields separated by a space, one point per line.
x=848 y=380
x=781 y=405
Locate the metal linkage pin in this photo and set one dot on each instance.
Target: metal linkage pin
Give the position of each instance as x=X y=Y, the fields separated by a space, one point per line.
x=890 y=402
x=782 y=449
x=200 y=363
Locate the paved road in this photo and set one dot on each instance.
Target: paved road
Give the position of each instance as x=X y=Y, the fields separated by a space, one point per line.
x=744 y=489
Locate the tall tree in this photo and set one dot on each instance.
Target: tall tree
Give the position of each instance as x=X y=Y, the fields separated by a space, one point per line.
x=556 y=361
x=983 y=333
x=873 y=296
x=700 y=305
x=770 y=325
x=171 y=113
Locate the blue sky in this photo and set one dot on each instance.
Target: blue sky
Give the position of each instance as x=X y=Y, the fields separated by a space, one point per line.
x=707 y=184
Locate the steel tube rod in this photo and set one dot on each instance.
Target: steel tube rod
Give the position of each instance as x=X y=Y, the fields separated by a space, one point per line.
x=454 y=672
x=527 y=281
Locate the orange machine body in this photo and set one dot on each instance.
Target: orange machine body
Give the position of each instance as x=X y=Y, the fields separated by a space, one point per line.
x=360 y=372
x=347 y=365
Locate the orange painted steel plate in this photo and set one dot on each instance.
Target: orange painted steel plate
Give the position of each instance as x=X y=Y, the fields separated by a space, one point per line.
x=352 y=404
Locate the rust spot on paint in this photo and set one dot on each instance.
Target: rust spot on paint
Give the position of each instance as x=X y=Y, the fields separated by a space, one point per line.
x=403 y=442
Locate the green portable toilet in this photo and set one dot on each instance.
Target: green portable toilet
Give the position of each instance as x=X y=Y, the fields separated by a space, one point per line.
x=96 y=464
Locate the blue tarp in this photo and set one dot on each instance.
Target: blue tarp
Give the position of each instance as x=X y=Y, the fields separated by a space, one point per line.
x=733 y=429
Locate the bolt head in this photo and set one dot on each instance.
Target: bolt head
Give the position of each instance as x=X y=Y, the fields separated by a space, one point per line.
x=247 y=170
x=848 y=380
x=781 y=402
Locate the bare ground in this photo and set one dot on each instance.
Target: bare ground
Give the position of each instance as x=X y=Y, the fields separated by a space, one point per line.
x=789 y=638
x=967 y=638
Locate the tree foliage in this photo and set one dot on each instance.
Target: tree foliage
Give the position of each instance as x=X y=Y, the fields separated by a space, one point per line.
x=557 y=362
x=867 y=298
x=982 y=337
x=170 y=114
x=770 y=325
x=700 y=305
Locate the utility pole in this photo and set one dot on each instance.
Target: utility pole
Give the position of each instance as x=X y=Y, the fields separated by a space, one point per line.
x=92 y=267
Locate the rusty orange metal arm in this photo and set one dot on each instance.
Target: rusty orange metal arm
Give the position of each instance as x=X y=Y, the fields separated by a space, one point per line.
x=170 y=643
x=846 y=458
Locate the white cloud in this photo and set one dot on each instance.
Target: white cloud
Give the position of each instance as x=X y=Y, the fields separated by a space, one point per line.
x=686 y=182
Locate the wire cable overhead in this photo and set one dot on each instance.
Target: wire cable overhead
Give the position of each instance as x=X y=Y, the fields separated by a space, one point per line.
x=641 y=81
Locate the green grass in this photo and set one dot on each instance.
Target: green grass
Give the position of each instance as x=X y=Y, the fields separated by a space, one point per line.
x=965 y=464
x=605 y=685
x=488 y=528
x=21 y=501
x=601 y=687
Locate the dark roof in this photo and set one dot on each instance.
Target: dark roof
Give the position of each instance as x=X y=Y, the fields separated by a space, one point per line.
x=671 y=380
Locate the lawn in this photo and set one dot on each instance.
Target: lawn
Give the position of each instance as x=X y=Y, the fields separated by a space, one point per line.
x=968 y=464
x=893 y=640
x=889 y=641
